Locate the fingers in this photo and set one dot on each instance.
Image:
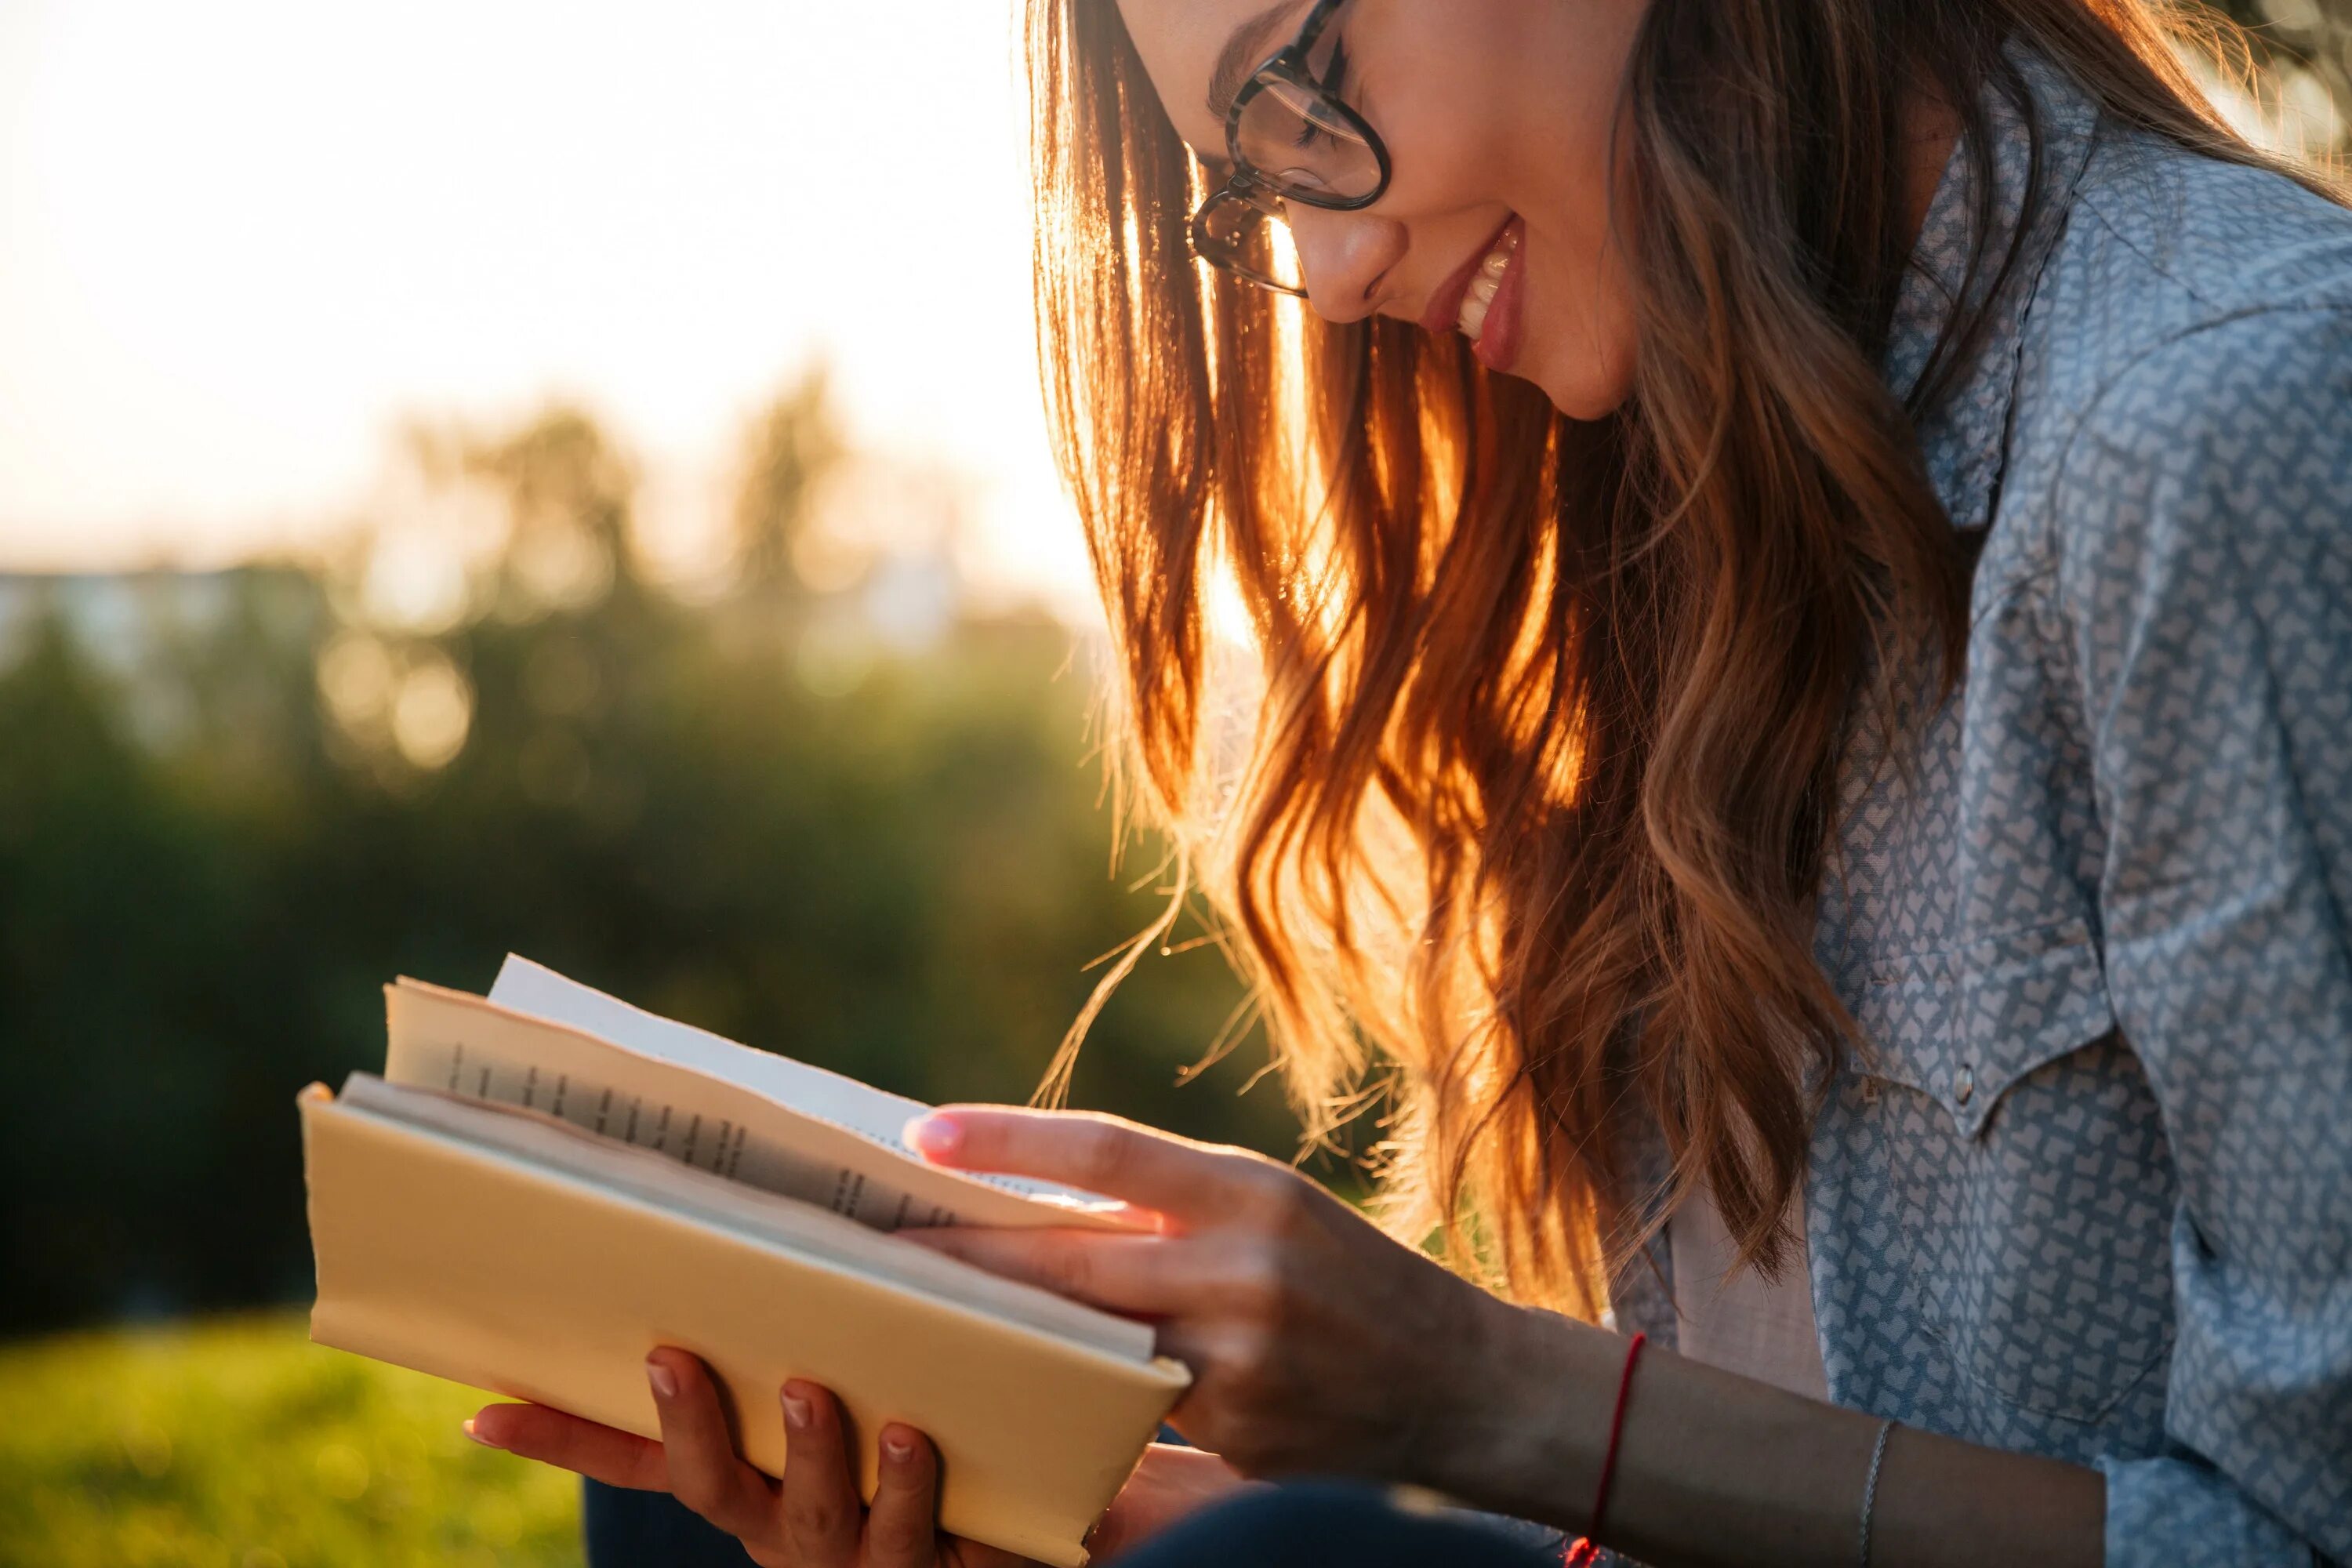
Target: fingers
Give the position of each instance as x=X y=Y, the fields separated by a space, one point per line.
x=1100 y=1154
x=704 y=1470
x=586 y=1447
x=822 y=1511
x=814 y=1519
x=1145 y=1275
x=902 y=1530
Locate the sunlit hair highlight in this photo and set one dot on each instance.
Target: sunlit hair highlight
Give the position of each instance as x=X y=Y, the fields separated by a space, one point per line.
x=1528 y=820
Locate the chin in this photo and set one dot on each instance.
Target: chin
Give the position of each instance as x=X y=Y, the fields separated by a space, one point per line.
x=1588 y=398
x=1590 y=382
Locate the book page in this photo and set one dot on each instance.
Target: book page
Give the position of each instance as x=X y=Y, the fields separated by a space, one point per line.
x=464 y=1045
x=541 y=1139
x=535 y=989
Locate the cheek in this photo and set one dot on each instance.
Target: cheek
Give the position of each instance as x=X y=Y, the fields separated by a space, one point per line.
x=1515 y=96
x=1440 y=160
x=1440 y=98
x=1438 y=170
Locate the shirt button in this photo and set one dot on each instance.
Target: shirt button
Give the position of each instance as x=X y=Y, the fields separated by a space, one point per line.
x=1964 y=1084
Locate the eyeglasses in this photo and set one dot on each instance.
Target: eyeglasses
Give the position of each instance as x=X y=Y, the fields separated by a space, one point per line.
x=1290 y=138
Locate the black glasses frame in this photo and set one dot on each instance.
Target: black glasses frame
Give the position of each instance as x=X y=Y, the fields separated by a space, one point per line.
x=1250 y=185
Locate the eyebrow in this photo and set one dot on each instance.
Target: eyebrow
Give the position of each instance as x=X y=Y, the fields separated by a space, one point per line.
x=1243 y=53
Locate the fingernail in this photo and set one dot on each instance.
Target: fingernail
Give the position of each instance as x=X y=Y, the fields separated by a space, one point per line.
x=896 y=1447
x=796 y=1412
x=933 y=1134
x=665 y=1380
x=476 y=1435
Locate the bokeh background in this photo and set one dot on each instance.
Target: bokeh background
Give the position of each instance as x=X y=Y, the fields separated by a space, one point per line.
x=488 y=475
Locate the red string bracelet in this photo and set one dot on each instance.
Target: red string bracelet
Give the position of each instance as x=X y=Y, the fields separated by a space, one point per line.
x=1585 y=1552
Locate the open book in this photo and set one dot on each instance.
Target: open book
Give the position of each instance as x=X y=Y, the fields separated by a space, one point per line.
x=546 y=1184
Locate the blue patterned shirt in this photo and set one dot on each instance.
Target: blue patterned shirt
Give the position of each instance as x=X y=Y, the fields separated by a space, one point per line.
x=2089 y=1193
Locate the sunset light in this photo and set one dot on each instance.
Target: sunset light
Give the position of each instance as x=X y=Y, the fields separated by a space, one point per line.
x=245 y=240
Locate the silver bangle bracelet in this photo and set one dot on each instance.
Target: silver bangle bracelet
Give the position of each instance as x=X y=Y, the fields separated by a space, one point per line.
x=1870 y=1487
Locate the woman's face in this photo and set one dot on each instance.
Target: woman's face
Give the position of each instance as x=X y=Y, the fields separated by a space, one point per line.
x=1497 y=115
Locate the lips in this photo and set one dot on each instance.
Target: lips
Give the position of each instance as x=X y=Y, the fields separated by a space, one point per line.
x=1498 y=344
x=1445 y=304
x=1487 y=284
x=1491 y=316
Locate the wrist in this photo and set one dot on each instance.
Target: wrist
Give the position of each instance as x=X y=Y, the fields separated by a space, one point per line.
x=1533 y=1428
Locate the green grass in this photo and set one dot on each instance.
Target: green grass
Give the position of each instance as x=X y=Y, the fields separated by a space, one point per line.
x=236 y=1442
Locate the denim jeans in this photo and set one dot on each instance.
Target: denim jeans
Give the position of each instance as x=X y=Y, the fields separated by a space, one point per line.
x=651 y=1529
x=1307 y=1524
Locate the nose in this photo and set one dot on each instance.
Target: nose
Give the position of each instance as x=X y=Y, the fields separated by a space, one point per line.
x=1343 y=256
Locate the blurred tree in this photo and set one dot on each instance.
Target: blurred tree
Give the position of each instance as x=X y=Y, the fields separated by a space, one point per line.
x=790 y=449
x=568 y=493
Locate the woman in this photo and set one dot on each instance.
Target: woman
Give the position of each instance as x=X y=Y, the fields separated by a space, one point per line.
x=1802 y=564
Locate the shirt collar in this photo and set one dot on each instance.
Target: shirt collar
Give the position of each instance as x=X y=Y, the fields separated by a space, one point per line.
x=1964 y=436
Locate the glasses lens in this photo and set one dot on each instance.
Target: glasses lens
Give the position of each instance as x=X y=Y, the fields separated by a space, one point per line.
x=1237 y=236
x=1304 y=144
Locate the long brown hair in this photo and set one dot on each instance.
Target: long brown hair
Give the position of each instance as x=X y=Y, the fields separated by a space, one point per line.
x=1528 y=821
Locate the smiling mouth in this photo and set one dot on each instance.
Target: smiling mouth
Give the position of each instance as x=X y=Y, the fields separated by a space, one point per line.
x=1466 y=297
x=1479 y=297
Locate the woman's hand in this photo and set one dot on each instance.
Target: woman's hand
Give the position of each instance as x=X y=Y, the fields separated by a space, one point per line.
x=814 y=1517
x=1316 y=1343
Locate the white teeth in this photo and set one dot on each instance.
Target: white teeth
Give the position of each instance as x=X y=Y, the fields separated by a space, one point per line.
x=1488 y=279
x=1473 y=319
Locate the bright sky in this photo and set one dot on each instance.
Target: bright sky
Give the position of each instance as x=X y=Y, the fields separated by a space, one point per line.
x=239 y=238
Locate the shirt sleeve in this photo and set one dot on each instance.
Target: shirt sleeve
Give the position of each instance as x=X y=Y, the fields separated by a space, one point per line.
x=2203 y=589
